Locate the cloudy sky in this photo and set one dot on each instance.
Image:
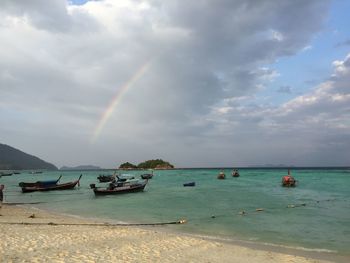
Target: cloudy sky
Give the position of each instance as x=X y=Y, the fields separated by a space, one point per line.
x=198 y=83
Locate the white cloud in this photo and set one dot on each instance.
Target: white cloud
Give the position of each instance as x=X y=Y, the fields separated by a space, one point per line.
x=304 y=130
x=61 y=66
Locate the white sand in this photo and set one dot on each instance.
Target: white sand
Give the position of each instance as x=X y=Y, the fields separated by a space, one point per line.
x=48 y=243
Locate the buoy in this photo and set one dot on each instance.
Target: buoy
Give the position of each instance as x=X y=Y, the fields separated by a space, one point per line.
x=242 y=213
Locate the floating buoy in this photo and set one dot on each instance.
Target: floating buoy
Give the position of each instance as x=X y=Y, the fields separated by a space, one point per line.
x=242 y=213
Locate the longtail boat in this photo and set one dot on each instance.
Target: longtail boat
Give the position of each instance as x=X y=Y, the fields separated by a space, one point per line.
x=65 y=186
x=189 y=184
x=235 y=173
x=40 y=183
x=288 y=180
x=119 y=187
x=221 y=175
x=6 y=174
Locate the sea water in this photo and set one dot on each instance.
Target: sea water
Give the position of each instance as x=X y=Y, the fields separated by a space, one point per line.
x=313 y=216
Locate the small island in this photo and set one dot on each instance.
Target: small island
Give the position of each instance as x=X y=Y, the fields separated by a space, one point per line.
x=127 y=166
x=157 y=164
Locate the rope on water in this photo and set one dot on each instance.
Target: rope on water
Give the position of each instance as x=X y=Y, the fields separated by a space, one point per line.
x=25 y=203
x=257 y=211
x=182 y=221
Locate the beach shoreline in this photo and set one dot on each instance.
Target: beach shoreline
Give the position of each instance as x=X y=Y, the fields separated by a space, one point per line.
x=55 y=237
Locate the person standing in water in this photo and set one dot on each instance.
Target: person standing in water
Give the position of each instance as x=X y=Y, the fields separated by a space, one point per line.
x=1 y=194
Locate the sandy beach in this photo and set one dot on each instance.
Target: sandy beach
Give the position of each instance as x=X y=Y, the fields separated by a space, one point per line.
x=87 y=243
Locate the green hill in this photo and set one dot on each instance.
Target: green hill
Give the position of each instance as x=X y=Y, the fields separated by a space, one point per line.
x=150 y=164
x=13 y=159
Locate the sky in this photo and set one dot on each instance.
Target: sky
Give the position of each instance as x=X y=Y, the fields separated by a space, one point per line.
x=197 y=83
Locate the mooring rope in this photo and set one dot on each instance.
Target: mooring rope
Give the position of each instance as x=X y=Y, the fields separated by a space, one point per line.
x=257 y=211
x=182 y=221
x=24 y=203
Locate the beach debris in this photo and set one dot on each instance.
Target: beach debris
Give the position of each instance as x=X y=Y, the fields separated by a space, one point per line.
x=32 y=216
x=242 y=213
x=259 y=209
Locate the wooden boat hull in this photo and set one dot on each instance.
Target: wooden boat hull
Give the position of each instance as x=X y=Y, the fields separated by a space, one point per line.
x=289 y=184
x=6 y=174
x=221 y=176
x=40 y=183
x=119 y=190
x=65 y=186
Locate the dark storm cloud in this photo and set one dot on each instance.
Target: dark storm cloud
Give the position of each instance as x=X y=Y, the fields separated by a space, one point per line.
x=206 y=59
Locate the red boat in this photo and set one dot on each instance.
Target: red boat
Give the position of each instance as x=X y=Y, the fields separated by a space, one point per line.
x=288 y=180
x=65 y=186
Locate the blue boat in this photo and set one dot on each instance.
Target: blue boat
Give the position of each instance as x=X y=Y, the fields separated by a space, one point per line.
x=40 y=183
x=190 y=184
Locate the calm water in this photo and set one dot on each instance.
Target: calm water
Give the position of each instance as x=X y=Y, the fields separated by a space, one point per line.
x=212 y=207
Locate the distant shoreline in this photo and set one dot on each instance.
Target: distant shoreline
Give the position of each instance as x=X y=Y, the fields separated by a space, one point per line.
x=212 y=168
x=195 y=168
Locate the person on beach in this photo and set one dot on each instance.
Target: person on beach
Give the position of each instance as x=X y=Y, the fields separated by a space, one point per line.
x=1 y=194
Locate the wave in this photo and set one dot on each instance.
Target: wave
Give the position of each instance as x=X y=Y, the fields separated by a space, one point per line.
x=254 y=241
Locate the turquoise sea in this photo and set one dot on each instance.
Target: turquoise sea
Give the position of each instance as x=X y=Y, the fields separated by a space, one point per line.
x=319 y=220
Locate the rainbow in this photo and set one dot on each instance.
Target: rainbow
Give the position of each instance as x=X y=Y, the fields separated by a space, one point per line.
x=116 y=99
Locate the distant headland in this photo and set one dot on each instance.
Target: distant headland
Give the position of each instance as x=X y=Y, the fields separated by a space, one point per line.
x=81 y=167
x=157 y=164
x=14 y=159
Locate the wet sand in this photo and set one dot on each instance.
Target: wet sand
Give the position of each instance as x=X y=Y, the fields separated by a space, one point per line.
x=44 y=242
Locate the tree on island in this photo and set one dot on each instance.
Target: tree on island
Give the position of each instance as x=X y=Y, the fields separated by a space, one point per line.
x=150 y=164
x=127 y=165
x=155 y=164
